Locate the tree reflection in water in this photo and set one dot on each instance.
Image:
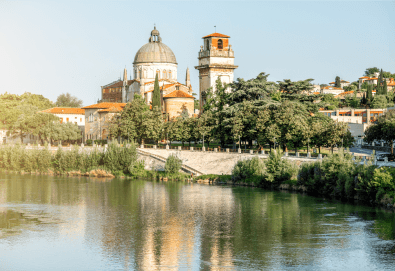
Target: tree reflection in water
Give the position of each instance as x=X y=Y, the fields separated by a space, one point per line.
x=148 y=225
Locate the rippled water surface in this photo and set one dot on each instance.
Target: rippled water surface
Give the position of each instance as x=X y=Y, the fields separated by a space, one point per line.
x=55 y=223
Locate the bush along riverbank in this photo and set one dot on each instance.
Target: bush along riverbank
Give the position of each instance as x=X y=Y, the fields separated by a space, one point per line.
x=336 y=176
x=116 y=161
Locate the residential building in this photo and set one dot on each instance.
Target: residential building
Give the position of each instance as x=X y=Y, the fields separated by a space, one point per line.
x=98 y=117
x=332 y=90
x=343 y=83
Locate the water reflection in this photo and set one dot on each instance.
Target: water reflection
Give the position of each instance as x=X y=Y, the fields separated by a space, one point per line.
x=147 y=225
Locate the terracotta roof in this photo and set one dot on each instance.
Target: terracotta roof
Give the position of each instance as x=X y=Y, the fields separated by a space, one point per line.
x=151 y=82
x=111 y=109
x=106 y=105
x=344 y=81
x=344 y=93
x=64 y=110
x=335 y=88
x=332 y=83
x=178 y=94
x=363 y=77
x=316 y=93
x=216 y=35
x=373 y=78
x=119 y=84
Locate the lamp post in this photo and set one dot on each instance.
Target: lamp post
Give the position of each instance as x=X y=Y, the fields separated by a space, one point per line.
x=274 y=143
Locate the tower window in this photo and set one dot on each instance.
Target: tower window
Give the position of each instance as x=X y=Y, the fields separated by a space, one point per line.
x=170 y=75
x=207 y=45
x=220 y=44
x=141 y=74
x=164 y=74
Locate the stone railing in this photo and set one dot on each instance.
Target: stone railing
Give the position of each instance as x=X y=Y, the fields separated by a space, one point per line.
x=208 y=53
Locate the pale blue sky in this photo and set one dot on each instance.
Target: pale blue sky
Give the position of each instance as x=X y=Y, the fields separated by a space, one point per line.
x=49 y=47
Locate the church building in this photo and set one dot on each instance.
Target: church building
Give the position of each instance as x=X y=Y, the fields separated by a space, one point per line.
x=153 y=58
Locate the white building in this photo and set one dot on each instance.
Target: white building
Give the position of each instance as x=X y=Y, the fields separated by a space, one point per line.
x=68 y=114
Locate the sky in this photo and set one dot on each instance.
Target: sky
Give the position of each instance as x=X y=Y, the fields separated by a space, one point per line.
x=54 y=47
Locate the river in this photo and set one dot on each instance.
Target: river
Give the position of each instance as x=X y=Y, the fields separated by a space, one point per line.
x=61 y=223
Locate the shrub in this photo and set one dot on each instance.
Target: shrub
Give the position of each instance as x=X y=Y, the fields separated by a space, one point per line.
x=137 y=169
x=119 y=159
x=89 y=142
x=173 y=164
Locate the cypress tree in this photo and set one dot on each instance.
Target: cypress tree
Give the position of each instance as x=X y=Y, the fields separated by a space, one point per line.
x=385 y=88
x=369 y=94
x=363 y=100
x=156 y=94
x=337 y=82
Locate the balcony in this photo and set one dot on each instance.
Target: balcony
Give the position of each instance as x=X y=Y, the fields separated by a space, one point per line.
x=213 y=53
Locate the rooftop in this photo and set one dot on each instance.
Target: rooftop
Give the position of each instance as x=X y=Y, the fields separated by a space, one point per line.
x=64 y=110
x=219 y=35
x=178 y=94
x=119 y=106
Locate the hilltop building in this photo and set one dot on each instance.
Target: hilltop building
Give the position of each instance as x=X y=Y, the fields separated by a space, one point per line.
x=153 y=58
x=216 y=59
x=343 y=83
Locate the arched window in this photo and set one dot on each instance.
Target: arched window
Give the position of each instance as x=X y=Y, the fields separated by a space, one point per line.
x=135 y=74
x=164 y=74
x=207 y=45
x=220 y=44
x=170 y=75
x=140 y=74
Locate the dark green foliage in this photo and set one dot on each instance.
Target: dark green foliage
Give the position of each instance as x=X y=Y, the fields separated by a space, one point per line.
x=118 y=159
x=156 y=95
x=173 y=164
x=337 y=82
x=369 y=95
x=272 y=171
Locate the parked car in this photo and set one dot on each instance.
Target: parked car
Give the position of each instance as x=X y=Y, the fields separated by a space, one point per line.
x=390 y=157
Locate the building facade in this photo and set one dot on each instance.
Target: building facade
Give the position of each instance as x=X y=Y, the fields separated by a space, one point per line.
x=216 y=59
x=98 y=117
x=153 y=59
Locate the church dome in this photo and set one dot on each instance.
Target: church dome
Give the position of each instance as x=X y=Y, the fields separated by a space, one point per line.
x=155 y=51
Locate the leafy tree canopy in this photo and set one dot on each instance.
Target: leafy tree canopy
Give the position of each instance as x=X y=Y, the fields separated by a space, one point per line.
x=66 y=100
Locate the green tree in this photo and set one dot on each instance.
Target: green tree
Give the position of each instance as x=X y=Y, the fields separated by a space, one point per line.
x=215 y=103
x=370 y=71
x=67 y=100
x=156 y=95
x=136 y=120
x=383 y=130
x=380 y=101
x=385 y=88
x=369 y=94
x=337 y=82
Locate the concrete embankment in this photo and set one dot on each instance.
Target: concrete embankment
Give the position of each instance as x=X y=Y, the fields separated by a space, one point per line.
x=211 y=162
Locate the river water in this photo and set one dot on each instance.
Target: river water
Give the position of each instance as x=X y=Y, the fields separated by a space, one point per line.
x=60 y=223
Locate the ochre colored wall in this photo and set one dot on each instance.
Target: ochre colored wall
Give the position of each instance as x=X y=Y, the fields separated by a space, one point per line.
x=175 y=106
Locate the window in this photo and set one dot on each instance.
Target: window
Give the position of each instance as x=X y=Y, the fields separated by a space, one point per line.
x=135 y=74
x=164 y=74
x=170 y=75
x=220 y=44
x=61 y=120
x=67 y=119
x=141 y=74
x=91 y=117
x=80 y=119
x=207 y=45
x=177 y=87
x=75 y=117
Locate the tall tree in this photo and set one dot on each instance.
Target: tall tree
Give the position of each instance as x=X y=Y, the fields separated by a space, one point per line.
x=385 y=88
x=215 y=103
x=383 y=130
x=370 y=71
x=66 y=100
x=337 y=82
x=369 y=94
x=156 y=95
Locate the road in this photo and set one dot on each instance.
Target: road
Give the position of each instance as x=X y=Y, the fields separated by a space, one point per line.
x=365 y=151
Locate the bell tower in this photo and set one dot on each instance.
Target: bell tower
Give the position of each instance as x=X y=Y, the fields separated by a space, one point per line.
x=216 y=59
